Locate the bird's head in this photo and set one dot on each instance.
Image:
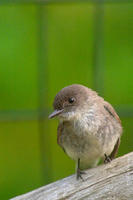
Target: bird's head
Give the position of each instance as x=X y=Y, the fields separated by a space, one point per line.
x=71 y=101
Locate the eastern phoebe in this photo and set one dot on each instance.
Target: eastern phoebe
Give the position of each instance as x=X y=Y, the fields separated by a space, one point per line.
x=89 y=128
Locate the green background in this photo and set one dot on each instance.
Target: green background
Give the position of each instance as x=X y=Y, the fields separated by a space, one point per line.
x=42 y=49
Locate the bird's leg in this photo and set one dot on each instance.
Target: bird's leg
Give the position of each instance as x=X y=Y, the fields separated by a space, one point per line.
x=79 y=172
x=107 y=159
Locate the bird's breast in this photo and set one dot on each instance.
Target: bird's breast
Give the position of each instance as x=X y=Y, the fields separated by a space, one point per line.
x=80 y=142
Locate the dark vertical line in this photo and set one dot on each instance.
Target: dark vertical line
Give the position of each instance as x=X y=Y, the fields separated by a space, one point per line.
x=42 y=93
x=98 y=60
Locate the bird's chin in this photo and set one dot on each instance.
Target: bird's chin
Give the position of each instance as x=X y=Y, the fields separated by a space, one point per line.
x=66 y=116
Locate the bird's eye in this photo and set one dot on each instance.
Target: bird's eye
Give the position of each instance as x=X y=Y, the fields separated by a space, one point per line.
x=71 y=100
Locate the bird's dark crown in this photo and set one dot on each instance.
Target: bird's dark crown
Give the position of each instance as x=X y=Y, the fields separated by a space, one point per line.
x=71 y=96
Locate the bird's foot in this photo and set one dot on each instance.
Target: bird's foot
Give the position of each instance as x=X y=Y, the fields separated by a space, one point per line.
x=107 y=159
x=79 y=174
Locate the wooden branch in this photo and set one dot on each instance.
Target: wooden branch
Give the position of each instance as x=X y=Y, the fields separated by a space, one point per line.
x=112 y=181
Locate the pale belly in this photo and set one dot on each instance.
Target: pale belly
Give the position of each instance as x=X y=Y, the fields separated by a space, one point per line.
x=89 y=144
x=88 y=149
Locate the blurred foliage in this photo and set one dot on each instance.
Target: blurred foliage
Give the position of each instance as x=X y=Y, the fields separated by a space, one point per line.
x=68 y=58
x=118 y=53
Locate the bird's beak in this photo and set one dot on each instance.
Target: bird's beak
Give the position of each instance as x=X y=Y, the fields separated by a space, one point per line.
x=55 y=113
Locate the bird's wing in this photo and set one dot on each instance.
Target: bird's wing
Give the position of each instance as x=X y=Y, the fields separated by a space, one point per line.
x=59 y=133
x=112 y=112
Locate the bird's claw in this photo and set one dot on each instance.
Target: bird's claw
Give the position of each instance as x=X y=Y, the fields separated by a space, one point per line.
x=107 y=159
x=79 y=174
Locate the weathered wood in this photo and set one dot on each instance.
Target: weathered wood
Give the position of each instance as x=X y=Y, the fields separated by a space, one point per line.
x=112 y=181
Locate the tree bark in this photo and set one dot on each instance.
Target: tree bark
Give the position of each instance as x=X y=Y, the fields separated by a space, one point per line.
x=112 y=181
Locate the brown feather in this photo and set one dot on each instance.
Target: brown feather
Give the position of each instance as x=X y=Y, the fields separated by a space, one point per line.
x=115 y=150
x=111 y=111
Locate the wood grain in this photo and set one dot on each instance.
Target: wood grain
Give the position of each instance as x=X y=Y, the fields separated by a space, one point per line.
x=112 y=181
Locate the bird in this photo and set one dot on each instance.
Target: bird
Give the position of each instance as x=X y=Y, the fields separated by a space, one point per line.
x=89 y=128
